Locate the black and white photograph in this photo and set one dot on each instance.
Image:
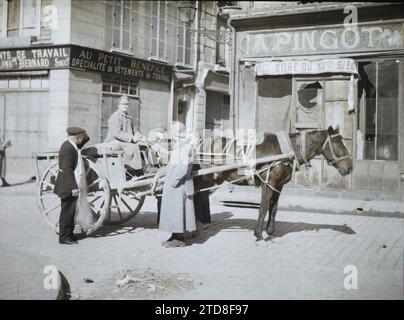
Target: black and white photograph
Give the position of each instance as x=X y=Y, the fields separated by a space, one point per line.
x=201 y=151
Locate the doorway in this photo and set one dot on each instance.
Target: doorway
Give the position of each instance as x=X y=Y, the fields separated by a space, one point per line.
x=317 y=104
x=112 y=91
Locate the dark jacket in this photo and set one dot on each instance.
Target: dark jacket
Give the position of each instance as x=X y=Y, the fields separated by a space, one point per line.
x=65 y=181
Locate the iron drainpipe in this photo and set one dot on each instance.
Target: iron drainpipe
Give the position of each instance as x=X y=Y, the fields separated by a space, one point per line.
x=196 y=57
x=232 y=72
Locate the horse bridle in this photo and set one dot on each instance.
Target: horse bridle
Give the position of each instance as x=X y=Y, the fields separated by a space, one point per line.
x=328 y=142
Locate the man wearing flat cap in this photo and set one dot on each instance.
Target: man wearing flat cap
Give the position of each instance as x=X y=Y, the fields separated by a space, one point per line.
x=67 y=181
x=123 y=136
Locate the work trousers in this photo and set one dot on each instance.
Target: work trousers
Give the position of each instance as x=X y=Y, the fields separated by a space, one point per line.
x=66 y=218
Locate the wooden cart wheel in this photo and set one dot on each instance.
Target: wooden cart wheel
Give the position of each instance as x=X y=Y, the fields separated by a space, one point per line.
x=98 y=195
x=123 y=207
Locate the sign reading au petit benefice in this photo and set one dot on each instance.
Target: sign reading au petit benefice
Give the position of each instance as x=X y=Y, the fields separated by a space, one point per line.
x=82 y=58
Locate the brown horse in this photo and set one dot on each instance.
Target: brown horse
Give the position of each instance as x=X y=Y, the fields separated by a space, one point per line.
x=306 y=146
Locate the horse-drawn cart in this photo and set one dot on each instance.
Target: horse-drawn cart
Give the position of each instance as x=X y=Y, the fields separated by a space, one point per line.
x=114 y=193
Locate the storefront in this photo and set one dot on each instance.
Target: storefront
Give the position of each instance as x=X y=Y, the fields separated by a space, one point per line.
x=324 y=73
x=202 y=101
x=43 y=90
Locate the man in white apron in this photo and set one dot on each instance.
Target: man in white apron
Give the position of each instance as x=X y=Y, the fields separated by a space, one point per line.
x=68 y=181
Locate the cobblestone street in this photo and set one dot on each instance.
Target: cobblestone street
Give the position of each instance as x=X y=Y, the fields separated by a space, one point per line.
x=305 y=259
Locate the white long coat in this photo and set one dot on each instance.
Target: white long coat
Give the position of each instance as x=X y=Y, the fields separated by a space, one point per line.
x=177 y=213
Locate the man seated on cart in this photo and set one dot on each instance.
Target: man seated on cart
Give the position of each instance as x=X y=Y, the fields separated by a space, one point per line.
x=122 y=136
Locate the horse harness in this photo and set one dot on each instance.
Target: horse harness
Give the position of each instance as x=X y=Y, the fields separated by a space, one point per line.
x=287 y=147
x=295 y=163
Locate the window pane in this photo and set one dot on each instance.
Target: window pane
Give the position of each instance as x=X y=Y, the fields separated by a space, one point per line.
x=24 y=82
x=3 y=83
x=187 y=56
x=13 y=17
x=45 y=83
x=368 y=79
x=387 y=111
x=115 y=87
x=1 y=16
x=133 y=90
x=36 y=83
x=29 y=13
x=106 y=87
x=13 y=83
x=48 y=18
x=309 y=100
x=124 y=88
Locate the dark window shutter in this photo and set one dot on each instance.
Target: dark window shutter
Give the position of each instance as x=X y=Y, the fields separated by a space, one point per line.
x=117 y=22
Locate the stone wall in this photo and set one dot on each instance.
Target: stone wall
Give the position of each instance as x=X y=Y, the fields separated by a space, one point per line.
x=154 y=105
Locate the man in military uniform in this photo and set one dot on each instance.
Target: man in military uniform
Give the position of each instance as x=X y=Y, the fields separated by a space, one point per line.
x=66 y=185
x=122 y=135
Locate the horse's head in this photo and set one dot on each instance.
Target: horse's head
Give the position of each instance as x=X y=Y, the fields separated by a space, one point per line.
x=336 y=153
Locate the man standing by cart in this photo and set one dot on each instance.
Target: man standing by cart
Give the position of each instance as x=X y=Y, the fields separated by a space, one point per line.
x=67 y=182
x=3 y=146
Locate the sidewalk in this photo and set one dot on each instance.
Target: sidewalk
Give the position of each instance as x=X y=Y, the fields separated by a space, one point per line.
x=23 y=274
x=290 y=201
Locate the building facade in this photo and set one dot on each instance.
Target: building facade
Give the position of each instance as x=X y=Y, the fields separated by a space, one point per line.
x=304 y=66
x=66 y=63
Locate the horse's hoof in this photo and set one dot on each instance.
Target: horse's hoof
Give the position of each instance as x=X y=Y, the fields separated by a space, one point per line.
x=258 y=236
x=270 y=232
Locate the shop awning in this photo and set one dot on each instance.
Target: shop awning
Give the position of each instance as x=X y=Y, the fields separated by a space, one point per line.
x=182 y=79
x=213 y=81
x=287 y=67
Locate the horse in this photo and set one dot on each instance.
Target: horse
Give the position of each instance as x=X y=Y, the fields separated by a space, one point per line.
x=272 y=177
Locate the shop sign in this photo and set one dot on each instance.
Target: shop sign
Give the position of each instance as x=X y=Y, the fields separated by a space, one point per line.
x=322 y=40
x=306 y=67
x=34 y=58
x=118 y=65
x=82 y=58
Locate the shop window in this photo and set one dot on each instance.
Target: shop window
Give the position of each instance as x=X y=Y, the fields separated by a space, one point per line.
x=121 y=87
x=25 y=82
x=309 y=103
x=379 y=92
